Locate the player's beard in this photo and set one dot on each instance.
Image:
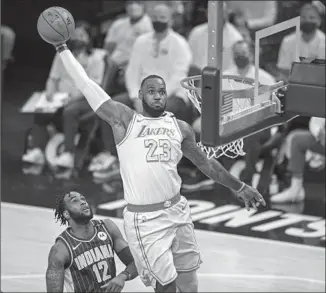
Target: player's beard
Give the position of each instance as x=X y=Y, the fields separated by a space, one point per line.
x=81 y=218
x=152 y=111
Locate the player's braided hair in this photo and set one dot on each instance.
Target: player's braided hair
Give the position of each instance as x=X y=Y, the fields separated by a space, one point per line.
x=59 y=209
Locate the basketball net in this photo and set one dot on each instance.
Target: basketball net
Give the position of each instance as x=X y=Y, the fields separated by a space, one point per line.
x=231 y=85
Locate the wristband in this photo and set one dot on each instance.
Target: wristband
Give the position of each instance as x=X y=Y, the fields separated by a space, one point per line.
x=241 y=188
x=126 y=273
x=61 y=48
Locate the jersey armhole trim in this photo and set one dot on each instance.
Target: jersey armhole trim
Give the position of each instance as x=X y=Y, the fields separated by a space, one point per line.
x=68 y=246
x=178 y=127
x=131 y=124
x=109 y=235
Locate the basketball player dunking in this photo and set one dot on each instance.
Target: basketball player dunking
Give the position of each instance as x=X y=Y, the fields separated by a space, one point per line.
x=82 y=258
x=157 y=218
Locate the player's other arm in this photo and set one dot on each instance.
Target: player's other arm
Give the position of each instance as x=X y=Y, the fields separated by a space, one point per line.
x=58 y=258
x=121 y=248
x=109 y=110
x=213 y=169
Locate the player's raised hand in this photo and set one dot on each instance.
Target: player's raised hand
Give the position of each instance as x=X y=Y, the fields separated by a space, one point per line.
x=114 y=285
x=251 y=197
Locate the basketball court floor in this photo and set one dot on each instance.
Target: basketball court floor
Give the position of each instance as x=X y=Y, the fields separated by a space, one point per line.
x=230 y=263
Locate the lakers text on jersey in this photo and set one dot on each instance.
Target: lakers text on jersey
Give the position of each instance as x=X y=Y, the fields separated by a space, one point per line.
x=149 y=155
x=92 y=261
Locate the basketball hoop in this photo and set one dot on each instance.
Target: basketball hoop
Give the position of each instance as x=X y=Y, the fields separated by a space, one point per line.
x=241 y=91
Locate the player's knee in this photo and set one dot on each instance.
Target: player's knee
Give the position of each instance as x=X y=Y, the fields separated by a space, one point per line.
x=172 y=287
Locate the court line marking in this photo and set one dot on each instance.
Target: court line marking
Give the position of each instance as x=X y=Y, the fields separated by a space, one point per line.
x=209 y=275
x=227 y=235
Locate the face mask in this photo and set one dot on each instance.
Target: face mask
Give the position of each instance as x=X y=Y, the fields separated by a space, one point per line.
x=159 y=26
x=241 y=61
x=308 y=27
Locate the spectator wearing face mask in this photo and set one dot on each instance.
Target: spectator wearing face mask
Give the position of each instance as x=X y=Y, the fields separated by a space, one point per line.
x=311 y=44
x=60 y=81
x=121 y=36
x=119 y=42
x=198 y=42
x=164 y=53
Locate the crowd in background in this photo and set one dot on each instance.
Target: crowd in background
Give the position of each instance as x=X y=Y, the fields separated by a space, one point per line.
x=170 y=39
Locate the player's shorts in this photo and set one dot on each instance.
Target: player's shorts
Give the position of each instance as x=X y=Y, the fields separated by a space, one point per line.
x=162 y=242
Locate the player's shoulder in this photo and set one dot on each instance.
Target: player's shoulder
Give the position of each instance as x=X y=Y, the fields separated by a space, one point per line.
x=59 y=250
x=185 y=129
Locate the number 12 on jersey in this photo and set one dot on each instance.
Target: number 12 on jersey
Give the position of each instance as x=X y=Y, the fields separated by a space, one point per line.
x=158 y=150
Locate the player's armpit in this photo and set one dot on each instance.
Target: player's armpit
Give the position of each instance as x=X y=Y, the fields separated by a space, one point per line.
x=212 y=168
x=98 y=99
x=115 y=113
x=57 y=260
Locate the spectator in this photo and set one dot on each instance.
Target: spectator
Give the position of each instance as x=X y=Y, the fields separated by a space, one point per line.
x=243 y=56
x=198 y=41
x=259 y=14
x=119 y=42
x=121 y=37
x=299 y=142
x=312 y=41
x=8 y=38
x=60 y=81
x=178 y=13
x=240 y=22
x=165 y=53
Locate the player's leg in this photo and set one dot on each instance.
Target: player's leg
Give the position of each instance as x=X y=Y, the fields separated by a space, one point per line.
x=187 y=281
x=185 y=249
x=150 y=236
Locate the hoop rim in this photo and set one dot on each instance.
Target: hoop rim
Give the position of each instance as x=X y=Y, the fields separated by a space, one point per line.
x=240 y=79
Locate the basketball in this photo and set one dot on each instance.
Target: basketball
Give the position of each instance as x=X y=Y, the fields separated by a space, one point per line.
x=55 y=25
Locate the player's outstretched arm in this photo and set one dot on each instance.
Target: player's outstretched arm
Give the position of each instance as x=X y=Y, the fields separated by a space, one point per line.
x=213 y=169
x=112 y=112
x=121 y=248
x=58 y=258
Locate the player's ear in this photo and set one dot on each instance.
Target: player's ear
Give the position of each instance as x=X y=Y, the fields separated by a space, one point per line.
x=140 y=95
x=66 y=215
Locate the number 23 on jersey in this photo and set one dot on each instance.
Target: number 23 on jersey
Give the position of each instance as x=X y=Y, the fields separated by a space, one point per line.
x=158 y=150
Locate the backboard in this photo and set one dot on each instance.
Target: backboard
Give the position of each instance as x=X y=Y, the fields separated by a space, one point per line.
x=224 y=118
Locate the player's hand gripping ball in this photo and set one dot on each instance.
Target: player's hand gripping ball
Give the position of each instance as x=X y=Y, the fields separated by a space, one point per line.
x=55 y=25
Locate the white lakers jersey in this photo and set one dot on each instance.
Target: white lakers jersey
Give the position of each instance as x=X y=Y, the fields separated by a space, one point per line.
x=149 y=155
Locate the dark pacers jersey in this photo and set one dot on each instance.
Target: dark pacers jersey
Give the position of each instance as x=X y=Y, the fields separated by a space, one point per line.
x=92 y=261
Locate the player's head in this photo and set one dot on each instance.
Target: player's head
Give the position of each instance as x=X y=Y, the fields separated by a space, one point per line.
x=135 y=9
x=310 y=18
x=81 y=38
x=161 y=17
x=72 y=207
x=242 y=54
x=153 y=95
